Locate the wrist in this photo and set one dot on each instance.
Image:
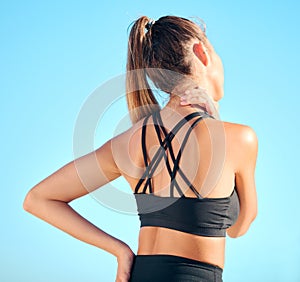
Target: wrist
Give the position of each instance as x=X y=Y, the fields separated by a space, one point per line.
x=121 y=249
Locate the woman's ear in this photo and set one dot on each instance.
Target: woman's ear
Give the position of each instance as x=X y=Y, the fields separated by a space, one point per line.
x=201 y=53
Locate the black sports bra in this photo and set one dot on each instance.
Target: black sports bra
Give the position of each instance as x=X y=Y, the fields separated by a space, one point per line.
x=200 y=216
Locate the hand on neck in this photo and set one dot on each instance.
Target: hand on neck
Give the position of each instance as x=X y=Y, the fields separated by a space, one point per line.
x=200 y=98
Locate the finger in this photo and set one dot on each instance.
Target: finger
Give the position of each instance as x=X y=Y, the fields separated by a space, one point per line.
x=198 y=90
x=195 y=96
x=194 y=93
x=194 y=99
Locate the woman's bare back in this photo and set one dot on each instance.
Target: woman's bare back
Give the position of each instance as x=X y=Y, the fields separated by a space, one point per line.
x=210 y=161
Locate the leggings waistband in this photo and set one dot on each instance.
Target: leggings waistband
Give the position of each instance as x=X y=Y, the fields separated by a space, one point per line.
x=171 y=268
x=178 y=259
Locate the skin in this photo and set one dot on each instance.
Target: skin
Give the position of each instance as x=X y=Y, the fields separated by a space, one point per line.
x=49 y=199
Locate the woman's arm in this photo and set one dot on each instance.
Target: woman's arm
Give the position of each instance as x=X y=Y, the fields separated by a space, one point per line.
x=246 y=145
x=49 y=199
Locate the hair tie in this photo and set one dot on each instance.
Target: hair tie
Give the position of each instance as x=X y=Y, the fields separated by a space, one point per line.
x=150 y=24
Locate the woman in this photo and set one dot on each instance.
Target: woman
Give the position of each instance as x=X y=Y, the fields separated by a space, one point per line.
x=192 y=175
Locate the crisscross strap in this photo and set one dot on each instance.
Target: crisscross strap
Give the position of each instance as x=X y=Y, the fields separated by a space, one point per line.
x=145 y=155
x=176 y=160
x=161 y=152
x=158 y=128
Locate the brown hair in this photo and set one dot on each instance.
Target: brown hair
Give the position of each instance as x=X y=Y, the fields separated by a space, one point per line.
x=159 y=53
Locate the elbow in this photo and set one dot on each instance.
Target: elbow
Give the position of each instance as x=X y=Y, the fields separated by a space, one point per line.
x=234 y=233
x=30 y=201
x=27 y=203
x=252 y=217
x=240 y=229
x=238 y=232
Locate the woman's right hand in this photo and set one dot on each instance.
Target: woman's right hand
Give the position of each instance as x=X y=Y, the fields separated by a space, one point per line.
x=199 y=96
x=125 y=262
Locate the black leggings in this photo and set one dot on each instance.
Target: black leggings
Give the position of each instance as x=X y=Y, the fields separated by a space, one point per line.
x=169 y=268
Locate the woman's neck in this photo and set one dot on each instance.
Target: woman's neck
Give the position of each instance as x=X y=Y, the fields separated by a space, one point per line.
x=175 y=111
x=174 y=103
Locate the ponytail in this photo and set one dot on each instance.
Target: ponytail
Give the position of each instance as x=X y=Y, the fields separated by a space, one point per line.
x=140 y=99
x=160 y=54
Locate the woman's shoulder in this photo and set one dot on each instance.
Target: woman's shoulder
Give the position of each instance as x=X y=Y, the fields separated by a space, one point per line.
x=241 y=132
x=132 y=132
x=241 y=137
x=129 y=138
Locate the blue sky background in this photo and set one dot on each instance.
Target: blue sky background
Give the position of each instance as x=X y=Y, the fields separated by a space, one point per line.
x=53 y=54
